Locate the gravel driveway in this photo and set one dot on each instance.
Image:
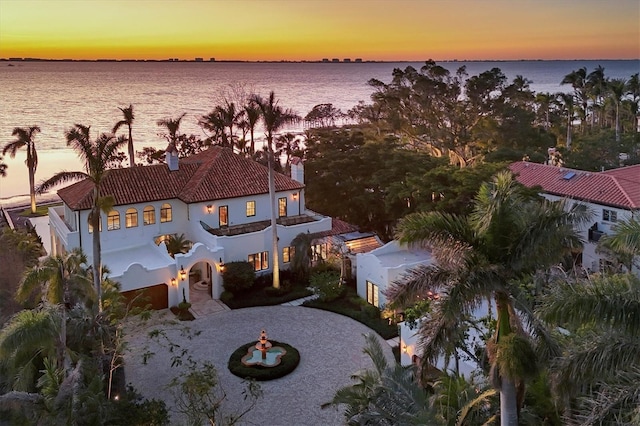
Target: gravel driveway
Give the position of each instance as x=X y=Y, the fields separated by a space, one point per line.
x=330 y=347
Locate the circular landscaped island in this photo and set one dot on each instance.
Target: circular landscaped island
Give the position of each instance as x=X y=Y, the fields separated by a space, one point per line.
x=264 y=360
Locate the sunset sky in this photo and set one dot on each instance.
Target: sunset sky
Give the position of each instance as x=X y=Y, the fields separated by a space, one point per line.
x=315 y=29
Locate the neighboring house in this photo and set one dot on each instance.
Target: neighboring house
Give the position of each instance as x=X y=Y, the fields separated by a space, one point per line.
x=217 y=199
x=377 y=269
x=612 y=196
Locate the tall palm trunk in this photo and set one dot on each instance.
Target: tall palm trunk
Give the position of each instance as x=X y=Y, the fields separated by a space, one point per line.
x=97 y=258
x=32 y=191
x=274 y=224
x=132 y=154
x=508 y=394
x=569 y=131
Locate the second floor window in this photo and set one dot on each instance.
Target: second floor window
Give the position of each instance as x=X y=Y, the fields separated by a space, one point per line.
x=282 y=207
x=131 y=218
x=223 y=213
x=149 y=215
x=609 y=215
x=251 y=208
x=113 y=220
x=165 y=213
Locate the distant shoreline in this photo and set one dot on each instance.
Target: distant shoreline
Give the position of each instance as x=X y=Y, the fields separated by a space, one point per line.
x=321 y=61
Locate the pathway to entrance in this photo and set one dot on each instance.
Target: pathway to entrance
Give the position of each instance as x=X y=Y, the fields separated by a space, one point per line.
x=330 y=347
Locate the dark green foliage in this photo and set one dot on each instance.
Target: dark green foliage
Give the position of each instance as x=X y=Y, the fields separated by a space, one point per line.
x=351 y=306
x=238 y=276
x=132 y=409
x=327 y=285
x=288 y=363
x=363 y=178
x=265 y=297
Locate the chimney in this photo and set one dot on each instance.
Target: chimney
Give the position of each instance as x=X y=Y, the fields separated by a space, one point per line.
x=171 y=157
x=297 y=169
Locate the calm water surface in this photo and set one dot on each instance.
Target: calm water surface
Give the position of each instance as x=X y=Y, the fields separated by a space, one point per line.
x=55 y=95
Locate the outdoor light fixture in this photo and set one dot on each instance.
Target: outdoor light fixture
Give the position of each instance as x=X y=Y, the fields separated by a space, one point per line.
x=183 y=273
x=295 y=196
x=174 y=282
x=405 y=349
x=221 y=265
x=209 y=208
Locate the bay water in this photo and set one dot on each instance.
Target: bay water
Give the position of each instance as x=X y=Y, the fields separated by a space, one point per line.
x=56 y=95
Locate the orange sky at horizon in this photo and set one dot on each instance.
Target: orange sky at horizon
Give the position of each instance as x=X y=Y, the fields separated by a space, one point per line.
x=275 y=30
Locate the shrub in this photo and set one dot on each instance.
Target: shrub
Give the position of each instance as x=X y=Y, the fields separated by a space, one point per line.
x=238 y=276
x=326 y=285
x=226 y=296
x=370 y=311
x=276 y=292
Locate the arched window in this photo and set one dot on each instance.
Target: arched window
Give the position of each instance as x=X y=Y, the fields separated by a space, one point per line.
x=131 y=218
x=165 y=213
x=149 y=215
x=113 y=220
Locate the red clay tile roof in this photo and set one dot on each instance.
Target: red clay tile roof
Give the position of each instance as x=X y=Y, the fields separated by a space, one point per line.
x=617 y=187
x=214 y=174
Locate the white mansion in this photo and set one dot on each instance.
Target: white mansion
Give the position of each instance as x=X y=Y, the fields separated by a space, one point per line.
x=217 y=199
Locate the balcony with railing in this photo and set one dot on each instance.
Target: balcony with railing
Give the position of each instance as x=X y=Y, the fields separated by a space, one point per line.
x=63 y=232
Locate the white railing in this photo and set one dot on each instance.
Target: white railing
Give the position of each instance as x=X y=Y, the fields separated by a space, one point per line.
x=70 y=239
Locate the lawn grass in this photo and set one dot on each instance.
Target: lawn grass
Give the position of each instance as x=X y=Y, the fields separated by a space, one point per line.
x=40 y=211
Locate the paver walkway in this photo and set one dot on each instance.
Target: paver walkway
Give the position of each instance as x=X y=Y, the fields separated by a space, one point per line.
x=330 y=347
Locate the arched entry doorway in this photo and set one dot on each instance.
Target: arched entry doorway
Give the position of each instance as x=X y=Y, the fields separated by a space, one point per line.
x=201 y=281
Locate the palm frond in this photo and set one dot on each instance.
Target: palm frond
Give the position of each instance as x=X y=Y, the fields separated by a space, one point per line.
x=60 y=178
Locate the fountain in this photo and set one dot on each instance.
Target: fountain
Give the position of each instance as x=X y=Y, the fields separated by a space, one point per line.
x=263 y=353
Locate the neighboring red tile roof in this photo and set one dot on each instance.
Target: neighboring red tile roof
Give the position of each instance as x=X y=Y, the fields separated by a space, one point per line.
x=617 y=187
x=214 y=174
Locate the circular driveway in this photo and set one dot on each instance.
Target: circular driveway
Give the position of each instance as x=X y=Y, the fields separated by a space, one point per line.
x=330 y=347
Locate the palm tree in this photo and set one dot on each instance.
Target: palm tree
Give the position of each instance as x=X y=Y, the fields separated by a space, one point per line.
x=602 y=349
x=566 y=102
x=616 y=89
x=384 y=395
x=274 y=117
x=60 y=279
x=96 y=156
x=578 y=80
x=633 y=88
x=25 y=138
x=28 y=338
x=625 y=241
x=177 y=244
x=508 y=236
x=252 y=113
x=173 y=127
x=127 y=121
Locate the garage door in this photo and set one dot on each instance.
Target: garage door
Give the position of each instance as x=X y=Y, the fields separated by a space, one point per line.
x=157 y=296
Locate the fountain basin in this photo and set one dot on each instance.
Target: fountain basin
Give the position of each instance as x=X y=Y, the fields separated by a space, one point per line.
x=272 y=357
x=288 y=363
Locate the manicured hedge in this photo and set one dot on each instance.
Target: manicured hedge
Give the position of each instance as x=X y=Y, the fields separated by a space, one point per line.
x=343 y=307
x=288 y=363
x=265 y=297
